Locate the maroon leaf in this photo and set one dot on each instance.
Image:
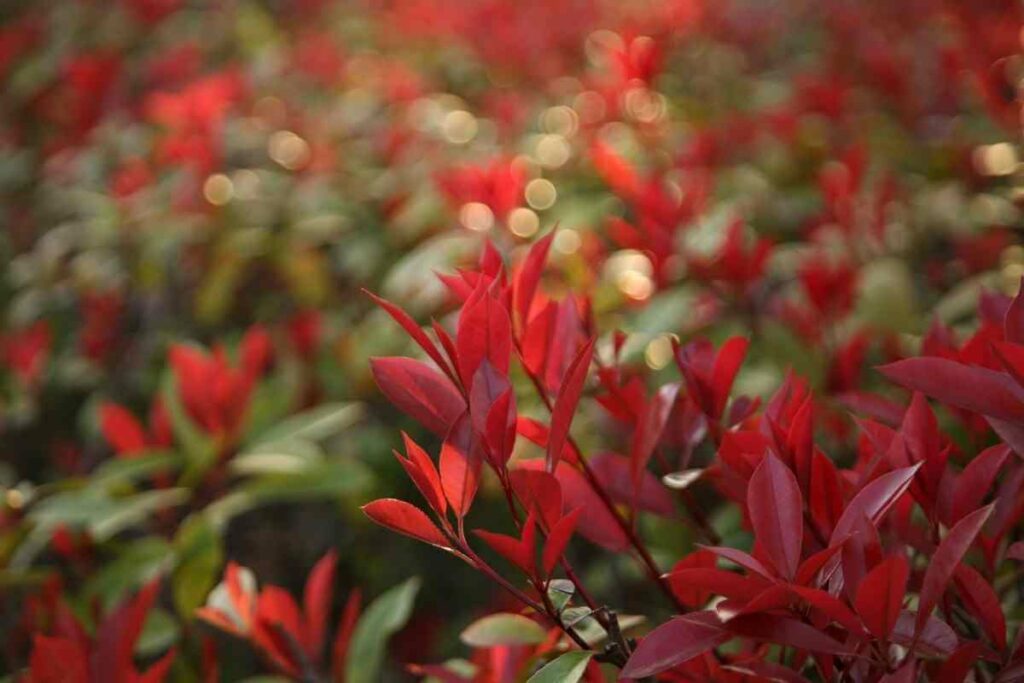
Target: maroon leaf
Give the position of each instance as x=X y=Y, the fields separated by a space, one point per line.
x=405 y=518
x=675 y=642
x=118 y=633
x=976 y=479
x=826 y=500
x=873 y=501
x=766 y=671
x=786 y=631
x=936 y=639
x=420 y=391
x=944 y=562
x=565 y=404
x=971 y=388
x=983 y=602
x=960 y=663
x=880 y=595
x=773 y=597
x=727 y=364
x=715 y=581
x=648 y=431
x=596 y=523
x=538 y=491
x=905 y=674
x=612 y=472
x=810 y=567
x=776 y=512
x=745 y=560
x=831 y=606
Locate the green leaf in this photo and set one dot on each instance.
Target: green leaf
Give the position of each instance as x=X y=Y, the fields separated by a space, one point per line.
x=332 y=479
x=560 y=592
x=385 y=616
x=133 y=510
x=119 y=471
x=503 y=629
x=273 y=398
x=315 y=424
x=289 y=456
x=569 y=668
x=200 y=556
x=159 y=632
x=137 y=562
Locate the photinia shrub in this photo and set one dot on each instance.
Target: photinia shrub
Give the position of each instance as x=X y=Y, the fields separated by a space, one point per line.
x=692 y=341
x=885 y=568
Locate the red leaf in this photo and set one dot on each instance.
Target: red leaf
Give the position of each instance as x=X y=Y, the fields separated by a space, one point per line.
x=810 y=567
x=776 y=512
x=648 y=431
x=519 y=552
x=421 y=470
x=936 y=639
x=460 y=466
x=414 y=331
x=976 y=479
x=117 y=635
x=612 y=472
x=58 y=660
x=786 y=631
x=831 y=606
x=558 y=539
x=539 y=492
x=959 y=664
x=255 y=350
x=983 y=602
x=826 y=500
x=774 y=597
x=596 y=523
x=765 y=671
x=727 y=364
x=405 y=518
x=528 y=278
x=420 y=391
x=741 y=558
x=873 y=501
x=565 y=404
x=343 y=634
x=316 y=602
x=905 y=674
x=880 y=595
x=500 y=428
x=675 y=642
x=972 y=388
x=277 y=629
x=121 y=429
x=484 y=332
x=944 y=562
x=691 y=582
x=158 y=671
